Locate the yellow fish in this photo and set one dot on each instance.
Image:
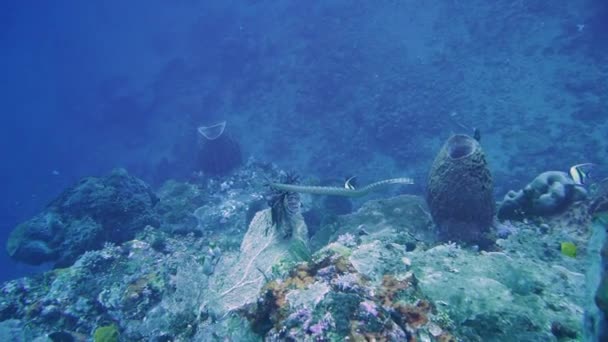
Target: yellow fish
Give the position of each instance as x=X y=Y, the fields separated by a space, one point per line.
x=569 y=249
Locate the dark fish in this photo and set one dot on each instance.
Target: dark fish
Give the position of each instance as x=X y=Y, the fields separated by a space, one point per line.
x=476 y=134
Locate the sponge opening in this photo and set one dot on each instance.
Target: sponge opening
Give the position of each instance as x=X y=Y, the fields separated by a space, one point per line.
x=461 y=146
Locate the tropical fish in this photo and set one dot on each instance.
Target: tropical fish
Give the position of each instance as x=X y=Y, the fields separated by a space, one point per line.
x=350 y=183
x=581 y=172
x=568 y=249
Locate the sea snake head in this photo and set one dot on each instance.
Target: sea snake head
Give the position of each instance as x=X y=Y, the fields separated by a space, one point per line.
x=284 y=205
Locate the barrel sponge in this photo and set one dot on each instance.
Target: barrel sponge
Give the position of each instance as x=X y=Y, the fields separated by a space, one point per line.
x=460 y=192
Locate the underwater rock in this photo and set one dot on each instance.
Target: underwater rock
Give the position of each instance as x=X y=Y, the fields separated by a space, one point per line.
x=335 y=205
x=403 y=219
x=549 y=193
x=84 y=217
x=596 y=312
x=177 y=203
x=599 y=200
x=460 y=192
x=218 y=154
x=495 y=296
x=13 y=330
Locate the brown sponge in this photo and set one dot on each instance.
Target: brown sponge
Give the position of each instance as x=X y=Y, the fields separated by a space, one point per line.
x=460 y=192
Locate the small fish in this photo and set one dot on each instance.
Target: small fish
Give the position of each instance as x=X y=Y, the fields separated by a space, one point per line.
x=581 y=172
x=350 y=183
x=568 y=249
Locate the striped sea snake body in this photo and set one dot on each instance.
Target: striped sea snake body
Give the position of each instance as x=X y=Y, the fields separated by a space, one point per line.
x=336 y=191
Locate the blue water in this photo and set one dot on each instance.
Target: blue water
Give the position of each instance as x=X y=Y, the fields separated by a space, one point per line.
x=64 y=64
x=330 y=89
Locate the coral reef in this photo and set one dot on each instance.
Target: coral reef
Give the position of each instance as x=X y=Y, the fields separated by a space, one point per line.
x=84 y=217
x=376 y=273
x=549 y=193
x=329 y=299
x=215 y=208
x=599 y=200
x=460 y=192
x=403 y=219
x=177 y=203
x=596 y=310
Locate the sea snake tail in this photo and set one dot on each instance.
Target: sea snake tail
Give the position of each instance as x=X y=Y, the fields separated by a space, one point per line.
x=336 y=191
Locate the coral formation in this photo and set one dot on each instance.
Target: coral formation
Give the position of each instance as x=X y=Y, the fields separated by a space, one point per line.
x=84 y=217
x=107 y=333
x=596 y=313
x=599 y=201
x=404 y=219
x=177 y=203
x=328 y=299
x=377 y=274
x=460 y=192
x=549 y=193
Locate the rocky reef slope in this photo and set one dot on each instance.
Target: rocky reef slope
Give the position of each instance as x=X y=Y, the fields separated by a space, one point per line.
x=218 y=270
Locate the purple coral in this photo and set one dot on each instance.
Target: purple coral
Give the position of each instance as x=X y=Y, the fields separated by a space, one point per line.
x=504 y=229
x=327 y=272
x=347 y=282
x=347 y=240
x=324 y=324
x=317 y=329
x=369 y=308
x=301 y=317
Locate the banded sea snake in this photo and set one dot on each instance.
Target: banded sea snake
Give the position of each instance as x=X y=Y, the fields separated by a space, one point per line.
x=336 y=191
